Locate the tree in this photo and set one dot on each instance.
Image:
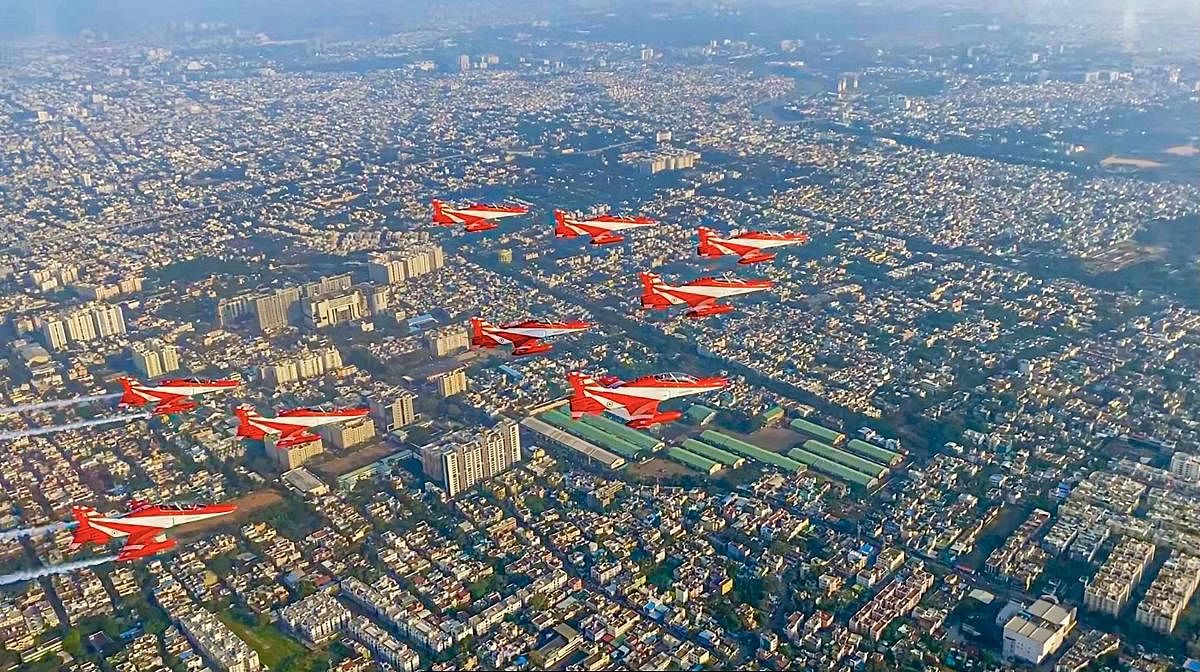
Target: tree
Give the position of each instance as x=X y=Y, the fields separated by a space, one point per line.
x=73 y=643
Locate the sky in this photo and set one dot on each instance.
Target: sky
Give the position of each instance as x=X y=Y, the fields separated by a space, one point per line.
x=1132 y=24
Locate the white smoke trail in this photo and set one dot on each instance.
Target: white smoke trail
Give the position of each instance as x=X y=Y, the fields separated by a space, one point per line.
x=57 y=403
x=47 y=570
x=7 y=535
x=94 y=422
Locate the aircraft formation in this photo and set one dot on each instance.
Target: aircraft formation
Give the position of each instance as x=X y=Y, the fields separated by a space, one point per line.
x=144 y=525
x=635 y=401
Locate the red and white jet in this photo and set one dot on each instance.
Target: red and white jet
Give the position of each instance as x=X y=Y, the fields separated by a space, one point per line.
x=701 y=296
x=143 y=528
x=602 y=228
x=636 y=401
x=749 y=246
x=476 y=217
x=170 y=396
x=292 y=425
x=525 y=337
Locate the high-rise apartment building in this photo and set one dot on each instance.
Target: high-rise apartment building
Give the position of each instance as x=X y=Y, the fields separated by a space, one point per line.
x=410 y=261
x=1186 y=466
x=110 y=320
x=343 y=435
x=153 y=358
x=461 y=460
x=54 y=333
x=377 y=298
x=82 y=325
x=448 y=340
x=329 y=284
x=451 y=383
x=307 y=363
x=291 y=457
x=231 y=308
x=275 y=310
x=393 y=410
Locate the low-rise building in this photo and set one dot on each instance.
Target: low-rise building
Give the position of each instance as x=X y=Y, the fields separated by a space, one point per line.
x=1109 y=590
x=216 y=642
x=316 y=619
x=1169 y=594
x=1037 y=632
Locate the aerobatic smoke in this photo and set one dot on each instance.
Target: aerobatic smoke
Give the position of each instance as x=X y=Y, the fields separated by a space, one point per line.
x=43 y=530
x=58 y=403
x=47 y=570
x=95 y=422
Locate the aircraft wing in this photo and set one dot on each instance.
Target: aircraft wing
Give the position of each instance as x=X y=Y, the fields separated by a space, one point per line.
x=754 y=255
x=475 y=222
x=604 y=237
x=144 y=536
x=174 y=404
x=144 y=544
x=520 y=339
x=647 y=407
x=296 y=437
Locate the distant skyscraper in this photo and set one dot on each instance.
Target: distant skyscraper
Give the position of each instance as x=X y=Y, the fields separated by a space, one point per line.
x=464 y=63
x=386 y=270
x=396 y=266
x=80 y=326
x=647 y=54
x=461 y=460
x=377 y=298
x=1186 y=466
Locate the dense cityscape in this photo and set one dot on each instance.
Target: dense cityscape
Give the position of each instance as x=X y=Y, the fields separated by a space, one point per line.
x=337 y=298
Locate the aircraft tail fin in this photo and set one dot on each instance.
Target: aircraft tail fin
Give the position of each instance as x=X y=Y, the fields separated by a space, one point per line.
x=246 y=429
x=84 y=532
x=128 y=396
x=706 y=248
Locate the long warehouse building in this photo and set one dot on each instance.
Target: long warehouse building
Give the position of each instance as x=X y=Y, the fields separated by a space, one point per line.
x=589 y=450
x=872 y=469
